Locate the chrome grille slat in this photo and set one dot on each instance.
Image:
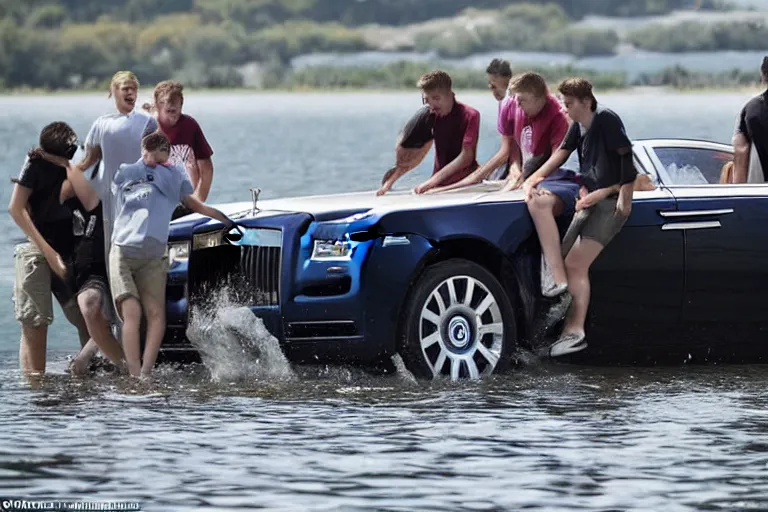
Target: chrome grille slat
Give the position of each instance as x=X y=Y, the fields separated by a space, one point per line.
x=261 y=267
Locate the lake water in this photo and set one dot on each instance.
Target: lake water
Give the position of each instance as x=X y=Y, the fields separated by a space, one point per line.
x=549 y=437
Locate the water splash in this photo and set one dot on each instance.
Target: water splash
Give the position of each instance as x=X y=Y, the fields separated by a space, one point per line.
x=234 y=344
x=402 y=372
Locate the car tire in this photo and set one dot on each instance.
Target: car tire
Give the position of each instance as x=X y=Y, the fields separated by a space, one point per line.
x=458 y=323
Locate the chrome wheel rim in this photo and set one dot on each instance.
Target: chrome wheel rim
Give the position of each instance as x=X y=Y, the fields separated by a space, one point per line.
x=461 y=331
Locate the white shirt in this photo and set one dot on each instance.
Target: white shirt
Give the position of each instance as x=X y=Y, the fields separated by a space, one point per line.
x=119 y=137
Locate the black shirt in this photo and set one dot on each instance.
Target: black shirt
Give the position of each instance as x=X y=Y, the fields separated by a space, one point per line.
x=601 y=164
x=88 y=229
x=419 y=129
x=753 y=123
x=51 y=218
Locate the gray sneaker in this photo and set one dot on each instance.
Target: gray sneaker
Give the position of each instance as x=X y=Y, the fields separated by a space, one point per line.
x=568 y=344
x=555 y=290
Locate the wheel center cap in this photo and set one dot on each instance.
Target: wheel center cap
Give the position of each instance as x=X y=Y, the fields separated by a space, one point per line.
x=459 y=332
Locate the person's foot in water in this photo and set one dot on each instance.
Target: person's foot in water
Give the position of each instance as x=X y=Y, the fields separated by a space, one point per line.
x=568 y=343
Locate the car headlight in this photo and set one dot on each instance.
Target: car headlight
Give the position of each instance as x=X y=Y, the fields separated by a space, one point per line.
x=331 y=250
x=207 y=240
x=178 y=252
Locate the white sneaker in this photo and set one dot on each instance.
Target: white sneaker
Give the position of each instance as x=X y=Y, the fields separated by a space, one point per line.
x=568 y=344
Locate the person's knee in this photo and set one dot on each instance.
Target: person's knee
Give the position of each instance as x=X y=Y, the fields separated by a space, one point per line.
x=130 y=310
x=575 y=265
x=538 y=204
x=90 y=303
x=155 y=313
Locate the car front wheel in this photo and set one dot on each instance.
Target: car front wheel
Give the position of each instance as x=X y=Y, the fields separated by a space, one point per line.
x=459 y=323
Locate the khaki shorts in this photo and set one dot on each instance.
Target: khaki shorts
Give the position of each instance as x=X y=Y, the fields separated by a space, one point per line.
x=140 y=278
x=599 y=223
x=32 y=301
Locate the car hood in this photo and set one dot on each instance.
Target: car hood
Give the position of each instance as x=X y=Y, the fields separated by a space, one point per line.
x=327 y=207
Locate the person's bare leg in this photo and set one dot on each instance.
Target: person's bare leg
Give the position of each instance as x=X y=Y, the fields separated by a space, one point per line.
x=155 y=313
x=577 y=264
x=543 y=208
x=82 y=360
x=130 y=311
x=34 y=341
x=72 y=312
x=91 y=305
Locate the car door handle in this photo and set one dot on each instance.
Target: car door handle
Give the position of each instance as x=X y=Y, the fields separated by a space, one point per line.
x=705 y=224
x=694 y=213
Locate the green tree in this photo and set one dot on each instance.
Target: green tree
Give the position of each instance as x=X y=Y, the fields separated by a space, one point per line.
x=47 y=16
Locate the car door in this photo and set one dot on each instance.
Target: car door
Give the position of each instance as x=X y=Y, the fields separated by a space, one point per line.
x=726 y=239
x=637 y=281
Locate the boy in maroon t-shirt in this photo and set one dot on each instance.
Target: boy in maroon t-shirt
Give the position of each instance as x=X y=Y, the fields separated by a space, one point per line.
x=188 y=144
x=455 y=132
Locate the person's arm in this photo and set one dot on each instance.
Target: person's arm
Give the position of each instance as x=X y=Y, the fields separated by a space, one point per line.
x=196 y=206
x=92 y=155
x=407 y=159
x=463 y=160
x=86 y=194
x=589 y=199
x=627 y=183
x=204 y=178
x=413 y=144
x=554 y=162
x=20 y=215
x=741 y=150
x=202 y=152
x=481 y=173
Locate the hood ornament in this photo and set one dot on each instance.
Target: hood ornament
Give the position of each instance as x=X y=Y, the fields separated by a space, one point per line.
x=255 y=198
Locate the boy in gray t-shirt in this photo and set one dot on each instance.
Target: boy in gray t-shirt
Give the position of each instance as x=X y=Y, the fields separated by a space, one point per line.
x=146 y=194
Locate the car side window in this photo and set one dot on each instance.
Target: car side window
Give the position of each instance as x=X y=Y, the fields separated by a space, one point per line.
x=693 y=166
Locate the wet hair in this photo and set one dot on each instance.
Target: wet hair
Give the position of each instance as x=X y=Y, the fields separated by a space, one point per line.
x=499 y=67
x=529 y=82
x=58 y=138
x=168 y=91
x=435 y=80
x=579 y=88
x=120 y=78
x=764 y=66
x=156 y=141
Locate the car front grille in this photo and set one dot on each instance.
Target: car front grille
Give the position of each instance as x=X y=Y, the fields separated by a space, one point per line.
x=260 y=266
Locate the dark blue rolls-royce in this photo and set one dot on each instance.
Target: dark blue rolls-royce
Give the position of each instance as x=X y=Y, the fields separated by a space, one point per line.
x=451 y=281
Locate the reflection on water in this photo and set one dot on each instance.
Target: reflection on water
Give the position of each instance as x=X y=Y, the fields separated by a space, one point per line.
x=551 y=436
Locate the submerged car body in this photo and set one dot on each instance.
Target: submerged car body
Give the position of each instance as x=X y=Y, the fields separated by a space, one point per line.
x=451 y=281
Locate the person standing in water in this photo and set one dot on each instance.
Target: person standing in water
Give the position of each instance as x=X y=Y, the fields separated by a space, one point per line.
x=115 y=139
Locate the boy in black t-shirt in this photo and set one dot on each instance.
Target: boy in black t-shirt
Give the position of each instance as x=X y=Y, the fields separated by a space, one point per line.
x=413 y=144
x=608 y=175
x=39 y=206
